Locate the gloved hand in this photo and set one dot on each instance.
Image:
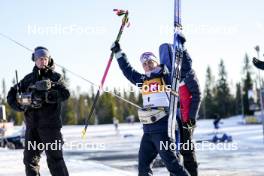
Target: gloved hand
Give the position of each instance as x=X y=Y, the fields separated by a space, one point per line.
x=182 y=38
x=52 y=96
x=259 y=64
x=190 y=124
x=37 y=98
x=164 y=70
x=115 y=47
x=20 y=108
x=43 y=85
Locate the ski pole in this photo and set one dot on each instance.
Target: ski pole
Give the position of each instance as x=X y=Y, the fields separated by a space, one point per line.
x=124 y=22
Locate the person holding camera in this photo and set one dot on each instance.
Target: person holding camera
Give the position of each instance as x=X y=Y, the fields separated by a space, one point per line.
x=39 y=95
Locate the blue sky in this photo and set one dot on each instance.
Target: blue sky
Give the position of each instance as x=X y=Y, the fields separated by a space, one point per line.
x=214 y=29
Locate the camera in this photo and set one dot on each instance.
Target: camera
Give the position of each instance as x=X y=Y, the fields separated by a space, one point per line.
x=30 y=99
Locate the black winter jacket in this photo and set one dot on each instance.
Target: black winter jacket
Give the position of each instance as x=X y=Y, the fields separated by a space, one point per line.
x=48 y=116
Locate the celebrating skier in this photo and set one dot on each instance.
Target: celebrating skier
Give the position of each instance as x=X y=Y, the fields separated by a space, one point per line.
x=39 y=96
x=154 y=114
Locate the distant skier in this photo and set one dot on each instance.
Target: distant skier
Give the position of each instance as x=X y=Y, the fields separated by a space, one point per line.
x=154 y=115
x=45 y=90
x=2 y=129
x=116 y=123
x=220 y=136
x=217 y=122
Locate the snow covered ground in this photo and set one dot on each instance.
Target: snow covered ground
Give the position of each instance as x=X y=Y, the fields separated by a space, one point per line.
x=106 y=152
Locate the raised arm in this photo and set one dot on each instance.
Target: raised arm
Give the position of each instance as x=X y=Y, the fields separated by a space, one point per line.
x=129 y=72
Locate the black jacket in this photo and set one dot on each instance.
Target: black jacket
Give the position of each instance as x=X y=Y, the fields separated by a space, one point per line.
x=192 y=83
x=48 y=116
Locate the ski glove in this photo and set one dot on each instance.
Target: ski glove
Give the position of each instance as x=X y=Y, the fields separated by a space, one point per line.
x=190 y=124
x=259 y=64
x=115 y=48
x=52 y=97
x=43 y=85
x=165 y=70
x=181 y=38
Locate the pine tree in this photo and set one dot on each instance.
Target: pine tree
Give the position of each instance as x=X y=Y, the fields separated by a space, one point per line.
x=247 y=85
x=238 y=100
x=105 y=109
x=82 y=104
x=223 y=96
x=69 y=114
x=132 y=98
x=67 y=110
x=3 y=91
x=119 y=107
x=126 y=111
x=208 y=106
